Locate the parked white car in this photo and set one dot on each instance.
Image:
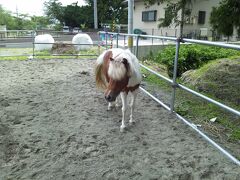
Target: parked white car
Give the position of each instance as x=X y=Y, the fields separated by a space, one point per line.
x=76 y=30
x=66 y=29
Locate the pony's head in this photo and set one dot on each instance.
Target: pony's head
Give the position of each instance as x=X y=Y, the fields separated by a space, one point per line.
x=117 y=74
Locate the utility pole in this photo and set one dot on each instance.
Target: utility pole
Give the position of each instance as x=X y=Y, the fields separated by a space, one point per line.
x=130 y=24
x=95 y=15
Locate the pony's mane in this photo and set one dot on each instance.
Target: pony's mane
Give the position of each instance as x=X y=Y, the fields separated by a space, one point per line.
x=100 y=79
x=117 y=69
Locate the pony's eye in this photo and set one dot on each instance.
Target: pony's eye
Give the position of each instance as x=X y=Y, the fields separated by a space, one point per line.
x=111 y=59
x=124 y=61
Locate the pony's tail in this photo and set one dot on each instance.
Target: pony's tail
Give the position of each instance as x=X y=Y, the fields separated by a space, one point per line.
x=100 y=80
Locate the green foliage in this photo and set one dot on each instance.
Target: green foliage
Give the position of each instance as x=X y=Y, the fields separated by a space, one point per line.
x=70 y=15
x=22 y=21
x=195 y=109
x=172 y=12
x=191 y=57
x=226 y=16
x=109 y=11
x=7 y=19
x=75 y=15
x=39 y=22
x=54 y=10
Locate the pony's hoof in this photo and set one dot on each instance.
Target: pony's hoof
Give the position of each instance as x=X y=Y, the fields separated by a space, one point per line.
x=118 y=105
x=122 y=128
x=110 y=108
x=131 y=122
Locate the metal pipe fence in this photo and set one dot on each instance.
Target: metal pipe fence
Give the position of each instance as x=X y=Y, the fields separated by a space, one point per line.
x=29 y=43
x=108 y=39
x=175 y=85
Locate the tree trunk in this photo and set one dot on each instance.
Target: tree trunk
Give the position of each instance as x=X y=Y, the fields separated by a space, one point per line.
x=182 y=18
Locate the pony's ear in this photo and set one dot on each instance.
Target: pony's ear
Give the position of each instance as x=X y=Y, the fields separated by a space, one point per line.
x=108 y=55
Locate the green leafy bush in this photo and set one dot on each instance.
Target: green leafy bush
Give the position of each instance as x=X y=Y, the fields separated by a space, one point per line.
x=191 y=56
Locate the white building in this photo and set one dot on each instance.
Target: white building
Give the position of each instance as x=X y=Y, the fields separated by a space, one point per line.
x=197 y=26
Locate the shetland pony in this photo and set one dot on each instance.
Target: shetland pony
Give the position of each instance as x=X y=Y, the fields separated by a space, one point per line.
x=118 y=72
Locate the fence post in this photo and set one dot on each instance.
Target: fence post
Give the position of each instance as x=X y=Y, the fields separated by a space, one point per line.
x=174 y=84
x=152 y=35
x=130 y=43
x=137 y=42
x=33 y=42
x=117 y=39
x=99 y=42
x=106 y=38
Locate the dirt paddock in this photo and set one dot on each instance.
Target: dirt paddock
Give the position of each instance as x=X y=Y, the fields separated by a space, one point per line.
x=55 y=125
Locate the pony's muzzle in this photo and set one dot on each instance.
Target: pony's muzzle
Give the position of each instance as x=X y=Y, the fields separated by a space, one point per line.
x=110 y=98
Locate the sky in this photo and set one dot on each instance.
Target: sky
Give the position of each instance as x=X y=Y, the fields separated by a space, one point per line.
x=31 y=7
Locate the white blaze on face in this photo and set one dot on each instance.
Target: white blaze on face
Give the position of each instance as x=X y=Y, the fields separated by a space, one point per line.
x=116 y=70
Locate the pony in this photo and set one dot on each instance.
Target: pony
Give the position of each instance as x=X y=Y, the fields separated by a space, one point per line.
x=117 y=71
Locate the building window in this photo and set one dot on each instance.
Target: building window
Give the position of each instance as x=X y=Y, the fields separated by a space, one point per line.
x=149 y=15
x=201 y=17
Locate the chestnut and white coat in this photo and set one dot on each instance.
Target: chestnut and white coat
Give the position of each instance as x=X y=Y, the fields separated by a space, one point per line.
x=118 y=72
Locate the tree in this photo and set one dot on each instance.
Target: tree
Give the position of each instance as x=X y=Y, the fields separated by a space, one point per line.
x=54 y=10
x=39 y=22
x=109 y=11
x=21 y=21
x=7 y=19
x=171 y=12
x=70 y=15
x=225 y=17
x=75 y=16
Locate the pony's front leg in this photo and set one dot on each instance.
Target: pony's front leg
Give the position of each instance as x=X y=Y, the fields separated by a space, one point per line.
x=124 y=108
x=111 y=105
x=117 y=101
x=132 y=105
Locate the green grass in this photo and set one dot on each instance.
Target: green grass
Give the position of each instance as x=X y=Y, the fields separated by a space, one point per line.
x=202 y=70
x=24 y=53
x=15 y=53
x=191 y=56
x=199 y=111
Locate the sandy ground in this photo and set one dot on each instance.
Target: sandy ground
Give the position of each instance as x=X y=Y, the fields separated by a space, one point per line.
x=55 y=125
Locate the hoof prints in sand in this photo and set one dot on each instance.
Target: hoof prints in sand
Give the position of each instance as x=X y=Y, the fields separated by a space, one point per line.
x=55 y=125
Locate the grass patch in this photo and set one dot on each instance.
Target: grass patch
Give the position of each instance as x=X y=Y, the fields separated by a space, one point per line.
x=14 y=58
x=25 y=53
x=191 y=56
x=197 y=110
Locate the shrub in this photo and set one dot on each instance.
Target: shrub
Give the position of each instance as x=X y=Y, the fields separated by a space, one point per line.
x=191 y=56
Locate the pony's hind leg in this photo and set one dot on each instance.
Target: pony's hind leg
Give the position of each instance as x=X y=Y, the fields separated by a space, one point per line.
x=124 y=108
x=132 y=105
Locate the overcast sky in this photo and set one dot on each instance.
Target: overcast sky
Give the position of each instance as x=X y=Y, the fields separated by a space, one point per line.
x=31 y=7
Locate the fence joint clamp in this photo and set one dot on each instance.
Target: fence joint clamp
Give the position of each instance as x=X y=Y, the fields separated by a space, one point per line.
x=175 y=85
x=180 y=39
